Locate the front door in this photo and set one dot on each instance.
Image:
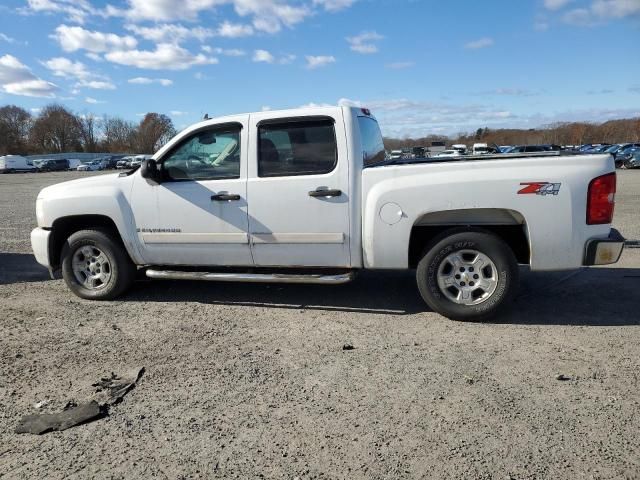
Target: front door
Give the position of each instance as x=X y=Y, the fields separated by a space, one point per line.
x=298 y=191
x=197 y=215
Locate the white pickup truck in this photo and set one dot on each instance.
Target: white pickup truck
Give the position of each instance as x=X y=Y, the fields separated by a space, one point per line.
x=308 y=196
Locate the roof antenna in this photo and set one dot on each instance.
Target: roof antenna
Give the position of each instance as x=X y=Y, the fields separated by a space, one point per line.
x=206 y=116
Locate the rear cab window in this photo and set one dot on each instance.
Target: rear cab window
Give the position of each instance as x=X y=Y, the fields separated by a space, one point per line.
x=372 y=144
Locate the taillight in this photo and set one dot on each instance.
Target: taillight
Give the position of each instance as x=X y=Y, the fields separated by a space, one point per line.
x=601 y=199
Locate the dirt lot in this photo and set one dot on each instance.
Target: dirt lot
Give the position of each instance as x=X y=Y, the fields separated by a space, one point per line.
x=251 y=381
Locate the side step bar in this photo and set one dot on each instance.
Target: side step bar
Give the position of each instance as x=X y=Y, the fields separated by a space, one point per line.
x=253 y=277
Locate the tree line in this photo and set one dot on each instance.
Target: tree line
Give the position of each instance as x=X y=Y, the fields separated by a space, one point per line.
x=561 y=133
x=56 y=129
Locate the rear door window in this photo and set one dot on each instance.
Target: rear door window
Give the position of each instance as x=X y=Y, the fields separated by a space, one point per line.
x=295 y=148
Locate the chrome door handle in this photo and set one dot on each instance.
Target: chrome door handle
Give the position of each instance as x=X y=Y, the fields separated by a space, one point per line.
x=318 y=193
x=225 y=197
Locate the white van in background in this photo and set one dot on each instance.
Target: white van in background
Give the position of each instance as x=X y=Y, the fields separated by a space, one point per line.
x=74 y=163
x=481 y=149
x=15 y=163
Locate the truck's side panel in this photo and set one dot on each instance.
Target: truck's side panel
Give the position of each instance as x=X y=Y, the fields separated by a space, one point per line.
x=395 y=198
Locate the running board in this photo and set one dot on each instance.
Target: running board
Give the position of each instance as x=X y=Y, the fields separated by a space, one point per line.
x=252 y=277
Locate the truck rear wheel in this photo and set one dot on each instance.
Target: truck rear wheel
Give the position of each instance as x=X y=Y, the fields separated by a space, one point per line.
x=468 y=275
x=95 y=266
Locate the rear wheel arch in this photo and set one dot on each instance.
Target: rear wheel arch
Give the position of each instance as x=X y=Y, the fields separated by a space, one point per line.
x=508 y=225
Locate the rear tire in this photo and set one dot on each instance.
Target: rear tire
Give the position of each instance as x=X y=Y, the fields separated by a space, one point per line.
x=468 y=275
x=95 y=265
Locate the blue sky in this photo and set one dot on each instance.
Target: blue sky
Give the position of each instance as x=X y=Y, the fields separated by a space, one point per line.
x=422 y=66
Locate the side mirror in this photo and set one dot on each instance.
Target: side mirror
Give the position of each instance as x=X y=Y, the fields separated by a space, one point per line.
x=149 y=170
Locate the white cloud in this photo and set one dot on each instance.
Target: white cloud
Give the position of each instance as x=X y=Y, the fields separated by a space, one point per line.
x=93 y=100
x=601 y=11
x=77 y=38
x=96 y=85
x=234 y=30
x=263 y=56
x=266 y=108
x=556 y=4
x=65 y=68
x=7 y=38
x=265 y=15
x=400 y=65
x=75 y=10
x=315 y=105
x=334 y=5
x=616 y=8
x=165 y=82
x=578 y=16
x=480 y=43
x=317 y=61
x=170 y=32
x=178 y=113
x=35 y=110
x=17 y=79
x=229 y=52
x=364 y=42
x=166 y=56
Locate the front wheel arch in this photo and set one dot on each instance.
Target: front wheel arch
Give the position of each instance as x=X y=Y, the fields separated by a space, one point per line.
x=63 y=227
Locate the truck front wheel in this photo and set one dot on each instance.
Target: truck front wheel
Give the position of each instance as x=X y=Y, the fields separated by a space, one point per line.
x=468 y=275
x=95 y=266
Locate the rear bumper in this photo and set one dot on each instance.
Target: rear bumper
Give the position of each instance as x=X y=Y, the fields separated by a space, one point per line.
x=40 y=246
x=604 y=251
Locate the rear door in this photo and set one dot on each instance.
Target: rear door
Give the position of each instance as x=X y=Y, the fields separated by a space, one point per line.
x=298 y=191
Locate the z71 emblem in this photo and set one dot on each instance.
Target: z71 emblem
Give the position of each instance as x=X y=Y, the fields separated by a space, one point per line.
x=540 y=188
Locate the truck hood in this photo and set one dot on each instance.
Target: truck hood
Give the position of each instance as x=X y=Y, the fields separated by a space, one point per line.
x=60 y=189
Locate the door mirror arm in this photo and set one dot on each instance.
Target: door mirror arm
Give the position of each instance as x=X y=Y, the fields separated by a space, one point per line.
x=149 y=170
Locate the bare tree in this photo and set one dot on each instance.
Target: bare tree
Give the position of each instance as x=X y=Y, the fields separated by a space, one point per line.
x=154 y=131
x=118 y=135
x=56 y=130
x=15 y=124
x=89 y=124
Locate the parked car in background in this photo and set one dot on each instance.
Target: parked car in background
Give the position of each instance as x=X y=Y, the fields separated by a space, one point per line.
x=53 y=165
x=138 y=159
x=449 y=153
x=74 y=163
x=459 y=147
x=124 y=162
x=480 y=149
x=504 y=148
x=626 y=148
x=15 y=163
x=109 y=162
x=621 y=160
x=633 y=161
x=91 y=166
x=395 y=154
x=527 y=149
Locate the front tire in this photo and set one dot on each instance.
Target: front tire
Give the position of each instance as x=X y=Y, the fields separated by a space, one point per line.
x=468 y=275
x=95 y=266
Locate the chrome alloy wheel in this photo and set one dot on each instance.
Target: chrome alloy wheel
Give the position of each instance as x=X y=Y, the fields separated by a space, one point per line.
x=91 y=267
x=467 y=277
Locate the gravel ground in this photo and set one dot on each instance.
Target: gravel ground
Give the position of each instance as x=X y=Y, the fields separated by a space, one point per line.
x=251 y=381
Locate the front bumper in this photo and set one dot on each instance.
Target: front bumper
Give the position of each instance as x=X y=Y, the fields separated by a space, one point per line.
x=604 y=251
x=40 y=246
